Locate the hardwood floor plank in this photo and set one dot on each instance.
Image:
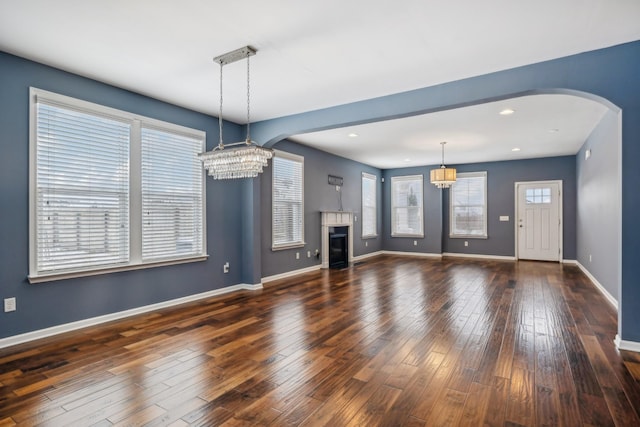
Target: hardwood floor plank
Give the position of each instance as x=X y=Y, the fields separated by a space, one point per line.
x=392 y=341
x=174 y=415
x=497 y=404
x=7 y=422
x=520 y=403
x=475 y=406
x=410 y=398
x=137 y=417
x=375 y=406
x=619 y=407
x=335 y=404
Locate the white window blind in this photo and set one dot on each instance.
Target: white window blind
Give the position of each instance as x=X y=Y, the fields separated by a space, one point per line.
x=407 y=206
x=288 y=200
x=369 y=210
x=110 y=190
x=172 y=219
x=82 y=189
x=468 y=217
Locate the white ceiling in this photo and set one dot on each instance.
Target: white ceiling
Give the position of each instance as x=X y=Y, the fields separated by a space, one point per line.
x=311 y=54
x=541 y=126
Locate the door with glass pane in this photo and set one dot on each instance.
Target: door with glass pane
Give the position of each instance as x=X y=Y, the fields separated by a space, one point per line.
x=538 y=220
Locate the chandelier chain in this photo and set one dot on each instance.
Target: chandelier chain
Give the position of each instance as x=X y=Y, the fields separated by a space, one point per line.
x=220 y=144
x=248 y=100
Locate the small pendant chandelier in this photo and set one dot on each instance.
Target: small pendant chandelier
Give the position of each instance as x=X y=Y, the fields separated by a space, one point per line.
x=244 y=159
x=443 y=177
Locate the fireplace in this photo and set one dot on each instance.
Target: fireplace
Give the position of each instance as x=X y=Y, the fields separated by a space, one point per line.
x=337 y=239
x=338 y=247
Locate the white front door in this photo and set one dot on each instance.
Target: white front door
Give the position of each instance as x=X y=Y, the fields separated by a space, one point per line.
x=539 y=228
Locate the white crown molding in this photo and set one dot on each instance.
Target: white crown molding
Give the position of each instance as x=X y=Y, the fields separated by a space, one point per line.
x=73 y=326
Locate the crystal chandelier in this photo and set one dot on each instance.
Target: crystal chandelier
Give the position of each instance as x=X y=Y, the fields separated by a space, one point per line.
x=244 y=159
x=443 y=177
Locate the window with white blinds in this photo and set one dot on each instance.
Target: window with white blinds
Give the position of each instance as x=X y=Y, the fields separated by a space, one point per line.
x=82 y=189
x=171 y=195
x=109 y=189
x=287 y=200
x=468 y=200
x=407 y=206
x=369 y=203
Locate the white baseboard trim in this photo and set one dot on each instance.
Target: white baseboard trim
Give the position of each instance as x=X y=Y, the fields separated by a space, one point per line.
x=598 y=285
x=290 y=273
x=479 y=256
x=365 y=256
x=69 y=327
x=569 y=261
x=627 y=345
x=417 y=254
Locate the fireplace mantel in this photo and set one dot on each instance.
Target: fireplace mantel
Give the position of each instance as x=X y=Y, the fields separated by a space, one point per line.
x=335 y=219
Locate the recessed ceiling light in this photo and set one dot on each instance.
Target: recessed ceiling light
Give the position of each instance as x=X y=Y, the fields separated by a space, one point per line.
x=515 y=149
x=507 y=112
x=353 y=135
x=554 y=130
x=407 y=160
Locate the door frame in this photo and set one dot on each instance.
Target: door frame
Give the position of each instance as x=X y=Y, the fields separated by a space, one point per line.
x=561 y=222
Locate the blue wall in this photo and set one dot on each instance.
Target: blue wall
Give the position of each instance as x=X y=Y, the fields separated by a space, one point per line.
x=598 y=214
x=431 y=243
x=318 y=196
x=53 y=303
x=501 y=179
x=236 y=209
x=611 y=74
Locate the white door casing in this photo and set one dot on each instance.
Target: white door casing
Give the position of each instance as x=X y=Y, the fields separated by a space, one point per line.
x=539 y=220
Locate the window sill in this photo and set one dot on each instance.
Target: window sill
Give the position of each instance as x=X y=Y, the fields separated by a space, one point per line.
x=461 y=236
x=370 y=236
x=420 y=236
x=291 y=246
x=75 y=274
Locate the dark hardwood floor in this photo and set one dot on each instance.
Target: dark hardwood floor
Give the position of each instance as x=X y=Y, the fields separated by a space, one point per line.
x=391 y=341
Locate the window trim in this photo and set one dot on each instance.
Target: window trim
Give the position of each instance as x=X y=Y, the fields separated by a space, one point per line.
x=485 y=234
x=420 y=179
x=135 y=181
x=289 y=245
x=373 y=178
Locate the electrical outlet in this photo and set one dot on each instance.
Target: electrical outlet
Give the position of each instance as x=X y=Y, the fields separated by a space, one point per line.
x=9 y=304
x=297 y=255
x=415 y=243
x=366 y=244
x=466 y=243
x=317 y=253
x=225 y=267
x=589 y=257
x=308 y=254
